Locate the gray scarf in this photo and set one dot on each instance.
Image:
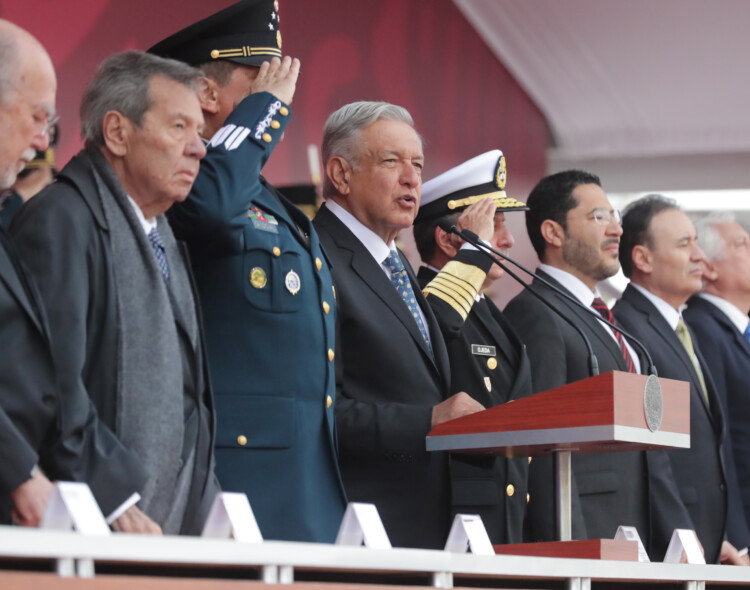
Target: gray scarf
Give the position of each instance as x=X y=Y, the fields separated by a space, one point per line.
x=150 y=405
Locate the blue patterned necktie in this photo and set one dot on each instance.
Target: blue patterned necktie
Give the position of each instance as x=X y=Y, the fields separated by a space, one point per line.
x=161 y=256
x=400 y=280
x=747 y=333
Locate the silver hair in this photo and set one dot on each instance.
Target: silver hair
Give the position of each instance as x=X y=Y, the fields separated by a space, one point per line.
x=121 y=84
x=8 y=66
x=709 y=237
x=343 y=126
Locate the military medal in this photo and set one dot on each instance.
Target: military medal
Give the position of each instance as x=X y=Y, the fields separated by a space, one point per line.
x=292 y=282
x=258 y=278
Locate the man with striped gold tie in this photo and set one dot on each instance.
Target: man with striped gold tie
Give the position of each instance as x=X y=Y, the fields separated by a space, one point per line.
x=661 y=256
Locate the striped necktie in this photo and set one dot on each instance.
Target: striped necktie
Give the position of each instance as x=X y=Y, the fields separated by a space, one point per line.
x=605 y=312
x=161 y=256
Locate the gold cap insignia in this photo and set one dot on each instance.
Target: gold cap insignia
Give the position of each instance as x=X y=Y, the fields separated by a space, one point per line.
x=501 y=176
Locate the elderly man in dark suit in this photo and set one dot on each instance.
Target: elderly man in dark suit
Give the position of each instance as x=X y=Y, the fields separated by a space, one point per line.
x=123 y=313
x=718 y=317
x=391 y=359
x=576 y=234
x=38 y=437
x=661 y=256
x=486 y=356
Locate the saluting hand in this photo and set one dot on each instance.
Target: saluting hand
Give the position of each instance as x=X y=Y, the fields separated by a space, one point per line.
x=479 y=218
x=279 y=77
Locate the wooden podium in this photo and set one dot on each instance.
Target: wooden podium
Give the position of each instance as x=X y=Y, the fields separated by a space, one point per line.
x=612 y=412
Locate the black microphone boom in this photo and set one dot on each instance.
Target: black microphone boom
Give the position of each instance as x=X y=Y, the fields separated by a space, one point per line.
x=452 y=229
x=474 y=239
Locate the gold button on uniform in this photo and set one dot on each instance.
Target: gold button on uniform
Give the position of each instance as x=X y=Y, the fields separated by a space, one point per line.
x=330 y=355
x=242 y=440
x=283 y=111
x=267 y=137
x=275 y=124
x=528 y=498
x=326 y=307
x=329 y=401
x=215 y=53
x=510 y=490
x=529 y=459
x=276 y=251
x=318 y=263
x=492 y=363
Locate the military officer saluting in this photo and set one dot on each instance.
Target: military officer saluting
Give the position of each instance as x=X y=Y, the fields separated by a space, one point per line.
x=264 y=284
x=487 y=359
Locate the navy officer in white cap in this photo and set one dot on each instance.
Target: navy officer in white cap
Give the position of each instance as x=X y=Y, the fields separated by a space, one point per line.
x=487 y=359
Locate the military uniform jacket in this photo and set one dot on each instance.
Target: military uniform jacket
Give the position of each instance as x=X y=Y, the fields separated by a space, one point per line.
x=268 y=304
x=622 y=488
x=388 y=384
x=701 y=471
x=727 y=354
x=489 y=363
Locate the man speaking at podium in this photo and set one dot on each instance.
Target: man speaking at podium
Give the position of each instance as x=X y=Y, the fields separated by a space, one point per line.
x=661 y=256
x=576 y=234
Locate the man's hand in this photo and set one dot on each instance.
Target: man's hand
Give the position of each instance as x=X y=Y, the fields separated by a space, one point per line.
x=460 y=404
x=730 y=555
x=279 y=77
x=30 y=500
x=135 y=521
x=479 y=218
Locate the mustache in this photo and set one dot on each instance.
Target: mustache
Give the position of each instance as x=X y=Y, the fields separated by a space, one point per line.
x=610 y=241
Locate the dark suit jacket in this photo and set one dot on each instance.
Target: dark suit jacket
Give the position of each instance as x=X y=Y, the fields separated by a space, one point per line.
x=622 y=488
x=389 y=383
x=727 y=355
x=493 y=487
x=63 y=237
x=700 y=471
x=29 y=398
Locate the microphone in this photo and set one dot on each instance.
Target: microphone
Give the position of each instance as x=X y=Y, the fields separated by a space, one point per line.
x=474 y=239
x=446 y=226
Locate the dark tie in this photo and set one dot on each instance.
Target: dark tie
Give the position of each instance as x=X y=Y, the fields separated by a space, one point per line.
x=604 y=311
x=161 y=256
x=400 y=280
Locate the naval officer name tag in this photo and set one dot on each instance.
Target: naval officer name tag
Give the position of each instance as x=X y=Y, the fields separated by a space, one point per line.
x=483 y=350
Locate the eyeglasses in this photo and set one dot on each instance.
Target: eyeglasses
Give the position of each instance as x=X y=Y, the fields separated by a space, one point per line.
x=604 y=217
x=50 y=126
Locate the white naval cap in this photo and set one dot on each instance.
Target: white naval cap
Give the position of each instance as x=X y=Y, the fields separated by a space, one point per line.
x=480 y=178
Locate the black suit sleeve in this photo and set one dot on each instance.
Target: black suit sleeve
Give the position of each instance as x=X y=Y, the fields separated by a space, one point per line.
x=54 y=243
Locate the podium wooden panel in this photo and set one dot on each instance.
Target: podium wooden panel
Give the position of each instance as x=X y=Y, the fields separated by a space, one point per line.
x=589 y=549
x=605 y=413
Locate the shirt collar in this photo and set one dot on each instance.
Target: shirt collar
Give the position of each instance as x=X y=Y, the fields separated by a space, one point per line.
x=146 y=224
x=669 y=313
x=576 y=286
x=372 y=242
x=735 y=315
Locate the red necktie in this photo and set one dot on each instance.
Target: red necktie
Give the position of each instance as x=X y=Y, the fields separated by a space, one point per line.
x=604 y=311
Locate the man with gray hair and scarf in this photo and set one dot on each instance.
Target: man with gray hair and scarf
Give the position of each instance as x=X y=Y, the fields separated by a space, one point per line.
x=121 y=305
x=392 y=371
x=718 y=317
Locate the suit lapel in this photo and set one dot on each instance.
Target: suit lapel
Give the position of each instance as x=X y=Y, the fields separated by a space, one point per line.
x=599 y=331
x=10 y=274
x=670 y=339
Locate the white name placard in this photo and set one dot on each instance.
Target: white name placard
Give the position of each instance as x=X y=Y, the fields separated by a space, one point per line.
x=72 y=506
x=684 y=541
x=231 y=517
x=362 y=524
x=630 y=533
x=468 y=533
